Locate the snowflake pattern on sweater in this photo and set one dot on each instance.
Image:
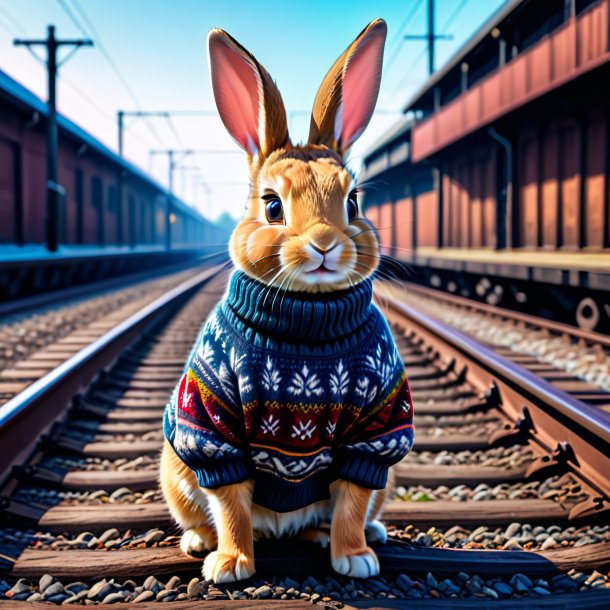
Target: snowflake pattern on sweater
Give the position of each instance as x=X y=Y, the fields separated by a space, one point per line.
x=292 y=422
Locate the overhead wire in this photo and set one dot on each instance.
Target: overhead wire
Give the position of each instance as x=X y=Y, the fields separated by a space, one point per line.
x=397 y=40
x=458 y=9
x=73 y=18
x=453 y=16
x=18 y=26
x=89 y=29
x=14 y=28
x=6 y=28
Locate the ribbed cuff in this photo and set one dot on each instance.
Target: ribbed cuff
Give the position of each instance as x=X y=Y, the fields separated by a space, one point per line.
x=363 y=471
x=230 y=472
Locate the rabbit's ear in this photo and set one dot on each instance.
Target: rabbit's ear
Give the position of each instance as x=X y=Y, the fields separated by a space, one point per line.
x=346 y=99
x=248 y=101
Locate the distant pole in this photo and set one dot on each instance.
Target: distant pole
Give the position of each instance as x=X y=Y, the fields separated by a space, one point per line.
x=171 y=161
x=431 y=37
x=121 y=114
x=120 y=122
x=54 y=190
x=168 y=215
x=173 y=154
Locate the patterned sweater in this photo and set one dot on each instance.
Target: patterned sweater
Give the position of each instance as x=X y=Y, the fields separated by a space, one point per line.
x=294 y=391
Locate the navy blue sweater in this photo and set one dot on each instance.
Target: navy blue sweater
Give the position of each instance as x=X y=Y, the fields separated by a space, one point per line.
x=293 y=390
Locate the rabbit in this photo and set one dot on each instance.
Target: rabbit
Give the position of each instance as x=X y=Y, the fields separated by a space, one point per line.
x=294 y=403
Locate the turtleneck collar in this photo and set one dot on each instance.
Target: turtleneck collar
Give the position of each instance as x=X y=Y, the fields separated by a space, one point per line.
x=297 y=316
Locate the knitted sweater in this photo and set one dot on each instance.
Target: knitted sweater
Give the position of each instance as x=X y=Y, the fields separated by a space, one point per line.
x=294 y=391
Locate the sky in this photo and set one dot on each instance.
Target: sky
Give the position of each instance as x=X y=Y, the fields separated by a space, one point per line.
x=150 y=55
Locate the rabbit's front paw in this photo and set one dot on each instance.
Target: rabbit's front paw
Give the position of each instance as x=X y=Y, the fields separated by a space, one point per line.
x=221 y=567
x=361 y=565
x=375 y=531
x=198 y=540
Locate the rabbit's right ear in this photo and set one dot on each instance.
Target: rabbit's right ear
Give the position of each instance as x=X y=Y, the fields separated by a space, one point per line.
x=248 y=101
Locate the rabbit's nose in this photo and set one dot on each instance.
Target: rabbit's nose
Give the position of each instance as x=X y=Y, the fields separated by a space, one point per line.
x=322 y=251
x=323 y=248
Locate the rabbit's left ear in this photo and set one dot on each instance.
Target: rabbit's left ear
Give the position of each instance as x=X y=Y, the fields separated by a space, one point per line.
x=346 y=99
x=249 y=103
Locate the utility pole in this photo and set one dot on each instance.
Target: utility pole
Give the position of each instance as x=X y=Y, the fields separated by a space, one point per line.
x=55 y=191
x=171 y=153
x=431 y=37
x=121 y=114
x=120 y=122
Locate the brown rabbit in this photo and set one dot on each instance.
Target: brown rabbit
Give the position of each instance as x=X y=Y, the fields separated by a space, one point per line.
x=294 y=403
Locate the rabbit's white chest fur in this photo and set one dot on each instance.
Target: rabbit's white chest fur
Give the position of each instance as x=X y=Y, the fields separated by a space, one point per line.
x=268 y=523
x=271 y=524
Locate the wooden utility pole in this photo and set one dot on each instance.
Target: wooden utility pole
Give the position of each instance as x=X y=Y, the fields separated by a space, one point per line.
x=55 y=192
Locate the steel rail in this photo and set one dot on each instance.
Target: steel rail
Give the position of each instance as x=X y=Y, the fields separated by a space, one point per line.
x=560 y=416
x=49 y=396
x=590 y=418
x=25 y=304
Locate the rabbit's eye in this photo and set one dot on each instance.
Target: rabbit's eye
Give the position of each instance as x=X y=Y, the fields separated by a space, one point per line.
x=352 y=206
x=274 y=210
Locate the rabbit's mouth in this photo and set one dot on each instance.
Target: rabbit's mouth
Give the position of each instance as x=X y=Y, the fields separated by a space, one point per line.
x=322 y=275
x=322 y=269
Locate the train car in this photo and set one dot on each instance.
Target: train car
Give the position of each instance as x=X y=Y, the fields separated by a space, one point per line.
x=501 y=172
x=108 y=201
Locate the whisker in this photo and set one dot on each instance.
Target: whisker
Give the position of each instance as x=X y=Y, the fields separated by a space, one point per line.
x=389 y=260
x=289 y=288
x=254 y=263
x=408 y=250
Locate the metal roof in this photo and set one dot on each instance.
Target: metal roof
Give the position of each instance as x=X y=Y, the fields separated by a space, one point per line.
x=15 y=92
x=502 y=13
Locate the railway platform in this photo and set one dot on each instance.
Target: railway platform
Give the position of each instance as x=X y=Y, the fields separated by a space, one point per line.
x=31 y=271
x=564 y=286
x=578 y=268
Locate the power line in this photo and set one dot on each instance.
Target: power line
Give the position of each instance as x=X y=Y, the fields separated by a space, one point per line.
x=403 y=80
x=5 y=27
x=81 y=28
x=173 y=129
x=12 y=26
x=14 y=21
x=87 y=98
x=454 y=15
x=100 y=45
x=430 y=36
x=397 y=37
x=73 y=18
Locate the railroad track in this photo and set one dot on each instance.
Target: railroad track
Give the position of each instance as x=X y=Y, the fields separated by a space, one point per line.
x=32 y=344
x=496 y=503
x=574 y=360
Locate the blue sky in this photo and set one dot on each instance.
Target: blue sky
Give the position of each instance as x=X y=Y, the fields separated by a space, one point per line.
x=158 y=47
